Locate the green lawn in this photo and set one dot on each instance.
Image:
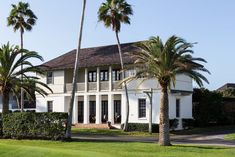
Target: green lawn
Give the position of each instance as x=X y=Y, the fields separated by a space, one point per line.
x=109 y=132
x=230 y=136
x=27 y=148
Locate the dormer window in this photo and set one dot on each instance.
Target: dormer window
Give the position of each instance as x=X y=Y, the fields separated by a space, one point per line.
x=50 y=79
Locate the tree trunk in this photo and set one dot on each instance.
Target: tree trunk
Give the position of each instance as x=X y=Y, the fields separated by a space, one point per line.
x=75 y=75
x=164 y=133
x=125 y=128
x=5 y=101
x=21 y=89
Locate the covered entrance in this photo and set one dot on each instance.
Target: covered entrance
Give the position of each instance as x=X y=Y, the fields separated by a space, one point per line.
x=104 y=111
x=80 y=111
x=117 y=111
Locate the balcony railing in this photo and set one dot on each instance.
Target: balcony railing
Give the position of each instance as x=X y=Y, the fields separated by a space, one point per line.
x=80 y=87
x=104 y=85
x=92 y=86
x=116 y=85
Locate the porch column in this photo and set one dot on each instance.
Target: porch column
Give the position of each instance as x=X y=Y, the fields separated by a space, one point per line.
x=86 y=109
x=86 y=79
x=123 y=107
x=98 y=109
x=75 y=110
x=110 y=108
x=110 y=79
x=98 y=79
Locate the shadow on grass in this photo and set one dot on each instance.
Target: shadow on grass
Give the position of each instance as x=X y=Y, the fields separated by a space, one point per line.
x=202 y=147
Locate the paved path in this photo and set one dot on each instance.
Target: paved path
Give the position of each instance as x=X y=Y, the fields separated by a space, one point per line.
x=216 y=139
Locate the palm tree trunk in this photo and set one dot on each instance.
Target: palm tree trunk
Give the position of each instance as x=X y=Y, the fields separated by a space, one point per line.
x=75 y=75
x=5 y=101
x=21 y=89
x=125 y=128
x=164 y=135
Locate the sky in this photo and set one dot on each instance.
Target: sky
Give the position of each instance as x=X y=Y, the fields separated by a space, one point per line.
x=211 y=23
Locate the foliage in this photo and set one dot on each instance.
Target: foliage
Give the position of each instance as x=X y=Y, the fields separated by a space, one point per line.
x=21 y=17
x=188 y=123
x=144 y=127
x=228 y=93
x=115 y=12
x=11 y=60
x=207 y=107
x=34 y=125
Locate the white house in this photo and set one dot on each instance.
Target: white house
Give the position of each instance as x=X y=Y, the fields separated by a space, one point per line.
x=99 y=98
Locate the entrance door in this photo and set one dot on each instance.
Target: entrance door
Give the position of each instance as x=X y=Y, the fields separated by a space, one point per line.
x=80 y=111
x=117 y=111
x=104 y=111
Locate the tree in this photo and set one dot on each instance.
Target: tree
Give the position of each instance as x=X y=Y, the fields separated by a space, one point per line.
x=23 y=19
x=11 y=59
x=112 y=13
x=75 y=74
x=154 y=59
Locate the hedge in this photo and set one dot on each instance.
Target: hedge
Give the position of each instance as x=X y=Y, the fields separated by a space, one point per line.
x=143 y=127
x=34 y=125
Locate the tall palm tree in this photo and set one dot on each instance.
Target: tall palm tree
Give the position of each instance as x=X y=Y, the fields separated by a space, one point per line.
x=11 y=59
x=163 y=61
x=112 y=13
x=23 y=19
x=75 y=74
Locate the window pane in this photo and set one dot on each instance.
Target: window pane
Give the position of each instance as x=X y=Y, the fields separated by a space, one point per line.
x=177 y=108
x=49 y=78
x=142 y=108
x=50 y=106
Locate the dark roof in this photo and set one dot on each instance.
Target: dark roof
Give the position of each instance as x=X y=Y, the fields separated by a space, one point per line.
x=226 y=86
x=92 y=57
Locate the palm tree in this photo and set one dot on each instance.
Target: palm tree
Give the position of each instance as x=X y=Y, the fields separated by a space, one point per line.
x=75 y=74
x=23 y=19
x=163 y=62
x=112 y=13
x=11 y=59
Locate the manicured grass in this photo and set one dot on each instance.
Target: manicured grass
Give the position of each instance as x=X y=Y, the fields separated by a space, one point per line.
x=109 y=132
x=230 y=137
x=27 y=148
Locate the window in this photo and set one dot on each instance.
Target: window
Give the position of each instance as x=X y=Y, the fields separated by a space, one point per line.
x=50 y=106
x=130 y=72
x=177 y=108
x=104 y=75
x=116 y=75
x=142 y=108
x=50 y=78
x=92 y=76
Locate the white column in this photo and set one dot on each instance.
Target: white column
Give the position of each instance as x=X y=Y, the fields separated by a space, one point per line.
x=123 y=107
x=98 y=109
x=86 y=79
x=98 y=79
x=110 y=79
x=75 y=110
x=110 y=108
x=86 y=109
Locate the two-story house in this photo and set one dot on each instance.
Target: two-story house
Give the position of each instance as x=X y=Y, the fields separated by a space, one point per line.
x=99 y=98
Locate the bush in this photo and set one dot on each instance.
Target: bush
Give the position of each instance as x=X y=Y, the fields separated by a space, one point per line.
x=188 y=123
x=34 y=125
x=144 y=127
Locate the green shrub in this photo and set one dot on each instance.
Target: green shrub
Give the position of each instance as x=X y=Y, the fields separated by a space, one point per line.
x=188 y=123
x=34 y=125
x=143 y=127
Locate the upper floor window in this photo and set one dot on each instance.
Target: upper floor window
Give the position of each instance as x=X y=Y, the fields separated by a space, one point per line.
x=142 y=108
x=177 y=108
x=116 y=75
x=130 y=72
x=49 y=106
x=92 y=76
x=104 y=75
x=50 y=79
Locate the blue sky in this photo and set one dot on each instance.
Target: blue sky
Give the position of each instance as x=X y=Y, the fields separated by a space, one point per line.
x=211 y=23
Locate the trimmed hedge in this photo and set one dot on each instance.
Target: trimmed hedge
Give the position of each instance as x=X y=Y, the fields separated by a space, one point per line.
x=34 y=125
x=143 y=127
x=188 y=123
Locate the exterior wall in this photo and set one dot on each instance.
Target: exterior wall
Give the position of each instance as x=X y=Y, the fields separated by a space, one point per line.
x=61 y=97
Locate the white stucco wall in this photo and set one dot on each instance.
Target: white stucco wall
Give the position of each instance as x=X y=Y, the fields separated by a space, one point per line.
x=58 y=103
